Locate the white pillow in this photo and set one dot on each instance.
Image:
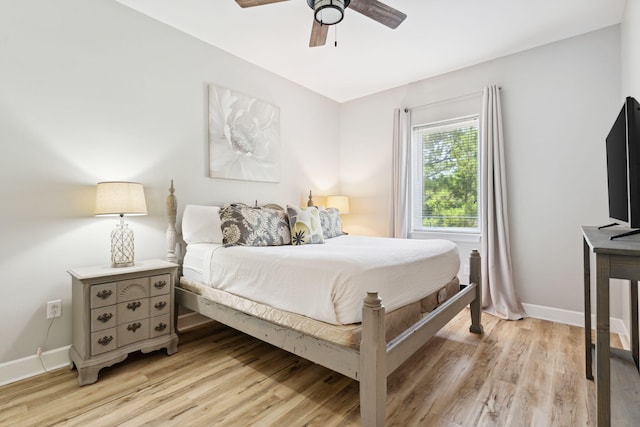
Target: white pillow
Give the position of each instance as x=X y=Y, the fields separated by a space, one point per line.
x=201 y=224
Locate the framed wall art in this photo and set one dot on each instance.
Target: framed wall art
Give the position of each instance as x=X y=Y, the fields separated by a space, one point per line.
x=244 y=137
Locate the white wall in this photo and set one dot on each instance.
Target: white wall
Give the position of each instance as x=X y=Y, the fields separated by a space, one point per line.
x=630 y=55
x=630 y=42
x=91 y=90
x=558 y=102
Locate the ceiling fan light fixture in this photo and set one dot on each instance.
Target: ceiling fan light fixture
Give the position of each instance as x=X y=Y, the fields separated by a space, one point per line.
x=328 y=12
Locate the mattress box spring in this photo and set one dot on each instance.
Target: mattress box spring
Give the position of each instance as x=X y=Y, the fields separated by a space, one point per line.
x=396 y=321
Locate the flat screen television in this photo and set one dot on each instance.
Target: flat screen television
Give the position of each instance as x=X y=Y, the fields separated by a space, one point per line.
x=623 y=167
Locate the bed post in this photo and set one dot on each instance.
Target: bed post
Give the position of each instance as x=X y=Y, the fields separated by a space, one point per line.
x=373 y=369
x=475 y=277
x=172 y=234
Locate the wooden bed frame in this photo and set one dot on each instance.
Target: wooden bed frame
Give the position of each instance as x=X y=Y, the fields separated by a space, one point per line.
x=373 y=362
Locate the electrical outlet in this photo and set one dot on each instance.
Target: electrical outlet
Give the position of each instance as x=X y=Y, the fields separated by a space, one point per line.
x=54 y=309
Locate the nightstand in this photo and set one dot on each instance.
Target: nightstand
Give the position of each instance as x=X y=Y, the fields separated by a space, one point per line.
x=117 y=311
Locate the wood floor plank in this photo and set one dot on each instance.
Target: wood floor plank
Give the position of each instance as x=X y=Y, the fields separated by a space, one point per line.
x=533 y=394
x=418 y=400
x=497 y=397
x=520 y=373
x=313 y=410
x=459 y=405
x=625 y=397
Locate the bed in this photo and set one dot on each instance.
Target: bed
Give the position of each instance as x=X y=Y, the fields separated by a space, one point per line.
x=265 y=292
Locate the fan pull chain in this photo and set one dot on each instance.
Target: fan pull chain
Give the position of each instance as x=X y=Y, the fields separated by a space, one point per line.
x=335 y=36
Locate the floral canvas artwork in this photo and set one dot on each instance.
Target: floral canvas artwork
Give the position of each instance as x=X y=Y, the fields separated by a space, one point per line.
x=244 y=137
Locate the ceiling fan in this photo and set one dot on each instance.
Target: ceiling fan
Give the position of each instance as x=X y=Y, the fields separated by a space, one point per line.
x=330 y=12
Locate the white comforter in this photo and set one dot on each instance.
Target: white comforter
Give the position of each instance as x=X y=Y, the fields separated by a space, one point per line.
x=328 y=281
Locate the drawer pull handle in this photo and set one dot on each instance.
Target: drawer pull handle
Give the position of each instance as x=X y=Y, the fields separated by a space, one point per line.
x=134 y=326
x=105 y=340
x=161 y=327
x=105 y=317
x=104 y=294
x=160 y=305
x=160 y=284
x=133 y=305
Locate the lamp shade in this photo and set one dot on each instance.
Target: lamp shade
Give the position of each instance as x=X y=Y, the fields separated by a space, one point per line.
x=339 y=202
x=120 y=198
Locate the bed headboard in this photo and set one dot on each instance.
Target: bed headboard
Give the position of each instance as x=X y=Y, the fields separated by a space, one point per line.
x=176 y=245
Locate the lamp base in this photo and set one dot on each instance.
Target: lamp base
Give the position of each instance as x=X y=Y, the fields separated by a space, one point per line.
x=122 y=246
x=122 y=264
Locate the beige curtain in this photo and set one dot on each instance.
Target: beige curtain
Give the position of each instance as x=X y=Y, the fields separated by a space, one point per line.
x=498 y=291
x=400 y=174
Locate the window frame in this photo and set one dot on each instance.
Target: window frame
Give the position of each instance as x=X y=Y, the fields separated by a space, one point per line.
x=416 y=173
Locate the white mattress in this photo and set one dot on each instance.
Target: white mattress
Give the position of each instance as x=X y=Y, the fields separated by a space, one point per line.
x=327 y=282
x=193 y=262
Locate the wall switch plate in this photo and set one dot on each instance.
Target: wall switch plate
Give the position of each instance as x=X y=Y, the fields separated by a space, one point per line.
x=54 y=309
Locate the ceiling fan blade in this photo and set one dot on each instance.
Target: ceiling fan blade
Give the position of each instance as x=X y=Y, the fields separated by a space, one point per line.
x=386 y=15
x=251 y=3
x=318 y=34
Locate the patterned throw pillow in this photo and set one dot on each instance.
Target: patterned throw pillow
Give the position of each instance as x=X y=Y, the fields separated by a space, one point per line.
x=243 y=225
x=305 y=225
x=331 y=223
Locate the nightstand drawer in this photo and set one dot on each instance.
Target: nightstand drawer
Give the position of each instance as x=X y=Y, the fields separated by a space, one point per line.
x=160 y=325
x=103 y=318
x=129 y=333
x=133 y=310
x=103 y=341
x=160 y=285
x=104 y=294
x=160 y=305
x=133 y=289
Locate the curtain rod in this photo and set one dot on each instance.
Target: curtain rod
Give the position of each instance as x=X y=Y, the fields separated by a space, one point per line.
x=418 y=107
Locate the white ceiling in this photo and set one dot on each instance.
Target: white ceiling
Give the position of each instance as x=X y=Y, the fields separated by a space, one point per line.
x=438 y=36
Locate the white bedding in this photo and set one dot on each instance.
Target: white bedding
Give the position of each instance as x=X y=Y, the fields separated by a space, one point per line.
x=327 y=281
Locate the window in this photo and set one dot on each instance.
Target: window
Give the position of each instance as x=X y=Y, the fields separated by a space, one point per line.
x=444 y=182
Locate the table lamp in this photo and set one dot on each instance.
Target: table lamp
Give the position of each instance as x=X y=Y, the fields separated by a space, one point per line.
x=339 y=202
x=121 y=198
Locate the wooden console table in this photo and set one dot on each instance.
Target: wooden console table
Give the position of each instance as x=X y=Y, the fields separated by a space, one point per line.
x=617 y=259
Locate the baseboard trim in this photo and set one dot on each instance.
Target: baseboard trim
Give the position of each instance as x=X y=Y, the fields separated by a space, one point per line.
x=16 y=370
x=576 y=318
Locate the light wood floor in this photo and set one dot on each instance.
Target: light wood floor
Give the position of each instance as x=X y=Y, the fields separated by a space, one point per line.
x=520 y=373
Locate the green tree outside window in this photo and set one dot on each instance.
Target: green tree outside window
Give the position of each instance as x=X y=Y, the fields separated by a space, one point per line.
x=449 y=175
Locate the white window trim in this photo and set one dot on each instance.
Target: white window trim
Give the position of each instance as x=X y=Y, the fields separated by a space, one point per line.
x=446 y=235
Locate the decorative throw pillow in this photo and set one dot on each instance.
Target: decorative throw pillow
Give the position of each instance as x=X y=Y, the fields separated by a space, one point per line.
x=331 y=223
x=305 y=225
x=243 y=225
